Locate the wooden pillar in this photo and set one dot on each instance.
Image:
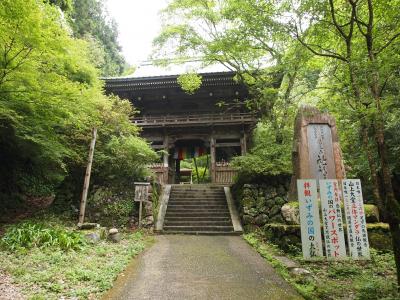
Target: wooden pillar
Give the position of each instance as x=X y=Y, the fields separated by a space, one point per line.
x=213 y=158
x=243 y=143
x=165 y=159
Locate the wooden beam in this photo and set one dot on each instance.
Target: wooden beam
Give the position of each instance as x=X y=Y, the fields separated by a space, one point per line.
x=87 y=177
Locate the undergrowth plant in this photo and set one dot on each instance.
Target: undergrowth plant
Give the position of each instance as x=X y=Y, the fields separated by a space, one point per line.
x=28 y=235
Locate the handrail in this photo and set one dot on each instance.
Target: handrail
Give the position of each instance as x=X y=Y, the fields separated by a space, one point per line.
x=198 y=118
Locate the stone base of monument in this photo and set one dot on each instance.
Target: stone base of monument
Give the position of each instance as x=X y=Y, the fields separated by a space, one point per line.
x=288 y=237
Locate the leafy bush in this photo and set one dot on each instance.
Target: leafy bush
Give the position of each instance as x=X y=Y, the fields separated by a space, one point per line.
x=28 y=235
x=267 y=157
x=111 y=207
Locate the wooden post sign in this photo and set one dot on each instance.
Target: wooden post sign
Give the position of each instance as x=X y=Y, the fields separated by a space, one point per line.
x=141 y=195
x=355 y=217
x=309 y=217
x=332 y=219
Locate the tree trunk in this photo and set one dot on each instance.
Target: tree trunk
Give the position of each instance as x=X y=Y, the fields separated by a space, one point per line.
x=395 y=233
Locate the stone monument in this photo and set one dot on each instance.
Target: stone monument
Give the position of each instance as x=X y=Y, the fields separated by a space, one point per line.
x=316 y=149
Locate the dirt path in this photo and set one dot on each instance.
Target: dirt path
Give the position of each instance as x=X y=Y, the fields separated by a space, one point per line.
x=201 y=267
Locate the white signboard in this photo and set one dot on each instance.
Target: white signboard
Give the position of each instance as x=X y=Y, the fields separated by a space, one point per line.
x=355 y=219
x=332 y=219
x=309 y=218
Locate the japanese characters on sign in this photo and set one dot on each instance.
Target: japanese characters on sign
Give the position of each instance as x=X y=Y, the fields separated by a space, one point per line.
x=332 y=219
x=320 y=151
x=141 y=191
x=355 y=219
x=309 y=218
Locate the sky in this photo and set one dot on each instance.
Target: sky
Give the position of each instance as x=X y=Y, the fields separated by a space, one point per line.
x=139 y=23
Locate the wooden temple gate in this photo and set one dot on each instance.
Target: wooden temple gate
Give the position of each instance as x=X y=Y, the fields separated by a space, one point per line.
x=171 y=119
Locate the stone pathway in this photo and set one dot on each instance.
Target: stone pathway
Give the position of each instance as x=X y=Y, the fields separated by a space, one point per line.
x=200 y=267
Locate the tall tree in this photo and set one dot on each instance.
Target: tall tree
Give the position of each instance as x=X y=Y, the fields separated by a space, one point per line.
x=50 y=98
x=89 y=21
x=360 y=38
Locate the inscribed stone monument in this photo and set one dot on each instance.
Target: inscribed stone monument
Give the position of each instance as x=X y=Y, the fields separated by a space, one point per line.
x=316 y=150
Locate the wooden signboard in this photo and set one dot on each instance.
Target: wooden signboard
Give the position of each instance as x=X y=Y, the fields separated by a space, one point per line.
x=309 y=218
x=332 y=219
x=141 y=195
x=355 y=217
x=320 y=151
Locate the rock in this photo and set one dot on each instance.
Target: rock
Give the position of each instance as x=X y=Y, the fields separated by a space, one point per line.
x=300 y=272
x=115 y=237
x=247 y=220
x=113 y=231
x=287 y=262
x=270 y=203
x=276 y=209
x=92 y=237
x=261 y=220
x=290 y=214
x=371 y=213
x=253 y=212
x=281 y=190
x=276 y=219
x=148 y=221
x=88 y=225
x=279 y=201
x=270 y=193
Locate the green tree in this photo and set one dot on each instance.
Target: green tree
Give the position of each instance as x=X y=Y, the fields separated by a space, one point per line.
x=50 y=98
x=359 y=39
x=89 y=21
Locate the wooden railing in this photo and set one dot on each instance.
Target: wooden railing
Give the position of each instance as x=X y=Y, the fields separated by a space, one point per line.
x=155 y=121
x=224 y=173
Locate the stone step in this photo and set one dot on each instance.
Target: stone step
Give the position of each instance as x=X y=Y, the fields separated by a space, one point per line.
x=195 y=202
x=198 y=228
x=197 y=198
x=180 y=214
x=197 y=206
x=199 y=219
x=199 y=210
x=202 y=232
x=197 y=223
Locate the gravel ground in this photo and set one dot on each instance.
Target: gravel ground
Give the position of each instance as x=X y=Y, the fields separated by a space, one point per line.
x=8 y=290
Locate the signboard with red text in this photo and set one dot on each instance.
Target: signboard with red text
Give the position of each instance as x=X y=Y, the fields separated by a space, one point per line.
x=309 y=218
x=355 y=219
x=330 y=194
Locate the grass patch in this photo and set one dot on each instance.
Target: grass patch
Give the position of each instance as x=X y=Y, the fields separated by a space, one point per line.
x=349 y=279
x=51 y=272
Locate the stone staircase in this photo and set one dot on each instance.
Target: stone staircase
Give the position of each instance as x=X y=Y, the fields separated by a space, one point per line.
x=198 y=209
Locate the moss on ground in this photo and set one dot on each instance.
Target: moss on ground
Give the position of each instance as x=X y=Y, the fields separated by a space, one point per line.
x=348 y=279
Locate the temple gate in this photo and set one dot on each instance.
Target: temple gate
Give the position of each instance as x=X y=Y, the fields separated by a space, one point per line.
x=213 y=121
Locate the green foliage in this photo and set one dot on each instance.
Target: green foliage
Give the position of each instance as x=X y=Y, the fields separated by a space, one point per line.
x=334 y=280
x=189 y=82
x=31 y=234
x=50 y=98
x=51 y=273
x=89 y=21
x=112 y=207
x=266 y=157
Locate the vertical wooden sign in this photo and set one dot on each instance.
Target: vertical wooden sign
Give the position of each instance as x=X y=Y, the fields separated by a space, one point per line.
x=355 y=219
x=309 y=218
x=141 y=195
x=332 y=219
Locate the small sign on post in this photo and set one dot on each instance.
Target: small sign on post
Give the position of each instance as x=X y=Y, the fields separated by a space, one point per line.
x=355 y=217
x=332 y=219
x=141 y=195
x=309 y=217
